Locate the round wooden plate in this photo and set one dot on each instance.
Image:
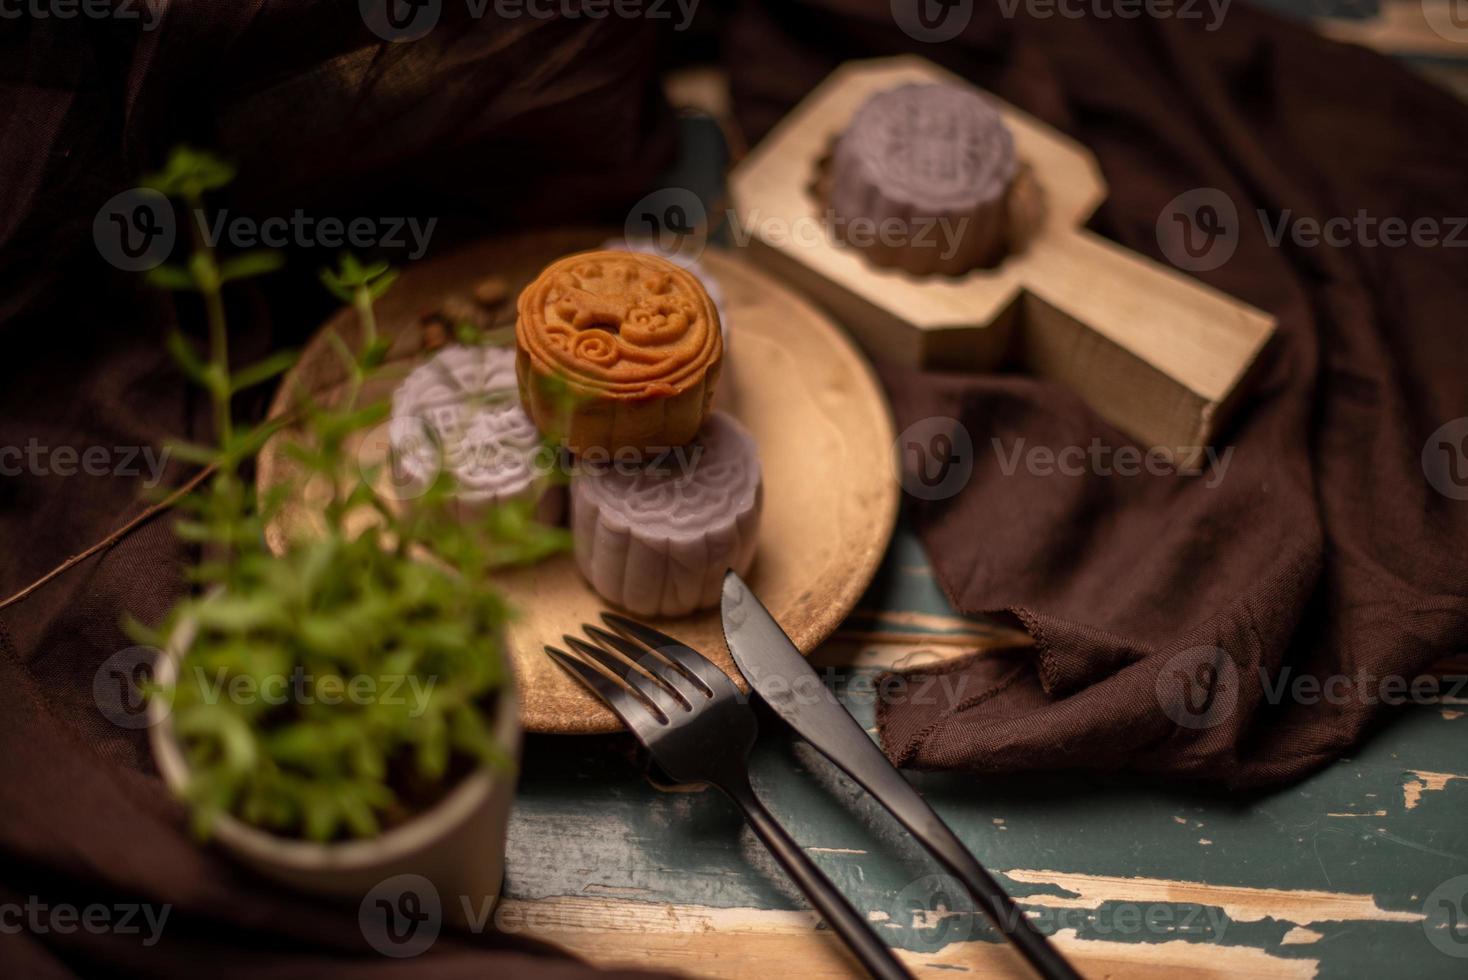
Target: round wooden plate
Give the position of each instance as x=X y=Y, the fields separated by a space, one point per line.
x=791 y=376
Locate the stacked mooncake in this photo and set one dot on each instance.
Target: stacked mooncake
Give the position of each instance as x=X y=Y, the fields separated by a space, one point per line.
x=656 y=539
x=617 y=358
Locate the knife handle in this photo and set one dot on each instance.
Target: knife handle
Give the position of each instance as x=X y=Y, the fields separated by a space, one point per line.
x=943 y=844
x=875 y=955
x=860 y=759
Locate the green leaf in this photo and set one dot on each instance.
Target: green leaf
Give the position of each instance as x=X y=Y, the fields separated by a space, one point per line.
x=170 y=277
x=382 y=282
x=190 y=452
x=189 y=172
x=205 y=273
x=229 y=731
x=182 y=350
x=357 y=813
x=321 y=813
x=375 y=353
x=433 y=746
x=262 y=370
x=343 y=353
x=234 y=613
x=248 y=264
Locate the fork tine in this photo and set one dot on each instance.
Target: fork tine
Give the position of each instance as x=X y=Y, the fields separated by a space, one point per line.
x=693 y=665
x=664 y=702
x=651 y=662
x=634 y=713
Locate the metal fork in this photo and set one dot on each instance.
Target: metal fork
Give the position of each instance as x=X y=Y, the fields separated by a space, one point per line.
x=697 y=728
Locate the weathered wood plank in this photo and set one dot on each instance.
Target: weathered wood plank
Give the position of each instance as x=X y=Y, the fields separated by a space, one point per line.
x=1325 y=878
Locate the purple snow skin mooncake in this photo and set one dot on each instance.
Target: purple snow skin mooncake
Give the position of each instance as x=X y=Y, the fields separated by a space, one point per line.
x=656 y=538
x=920 y=180
x=460 y=413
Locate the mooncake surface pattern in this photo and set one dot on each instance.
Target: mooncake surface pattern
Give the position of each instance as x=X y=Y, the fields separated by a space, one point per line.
x=460 y=412
x=921 y=155
x=635 y=339
x=656 y=539
x=709 y=281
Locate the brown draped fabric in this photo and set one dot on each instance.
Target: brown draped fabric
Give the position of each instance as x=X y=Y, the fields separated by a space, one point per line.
x=1324 y=550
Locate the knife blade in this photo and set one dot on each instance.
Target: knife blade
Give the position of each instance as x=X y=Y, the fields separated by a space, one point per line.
x=777 y=671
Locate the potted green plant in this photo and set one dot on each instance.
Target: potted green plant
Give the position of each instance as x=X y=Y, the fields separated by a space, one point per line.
x=341 y=712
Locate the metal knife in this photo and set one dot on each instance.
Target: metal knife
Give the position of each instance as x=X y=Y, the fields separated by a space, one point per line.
x=790 y=686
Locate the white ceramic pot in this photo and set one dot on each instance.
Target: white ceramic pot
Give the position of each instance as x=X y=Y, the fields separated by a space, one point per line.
x=458 y=845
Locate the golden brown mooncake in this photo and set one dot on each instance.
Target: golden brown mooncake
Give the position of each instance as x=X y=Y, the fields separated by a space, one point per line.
x=631 y=338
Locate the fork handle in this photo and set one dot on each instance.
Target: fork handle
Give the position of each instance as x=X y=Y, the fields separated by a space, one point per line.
x=874 y=954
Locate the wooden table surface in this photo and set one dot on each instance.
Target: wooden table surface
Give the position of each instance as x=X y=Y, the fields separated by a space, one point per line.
x=1327 y=878
x=1354 y=872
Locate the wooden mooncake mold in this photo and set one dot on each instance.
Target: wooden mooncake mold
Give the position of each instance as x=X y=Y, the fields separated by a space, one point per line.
x=920 y=180
x=656 y=539
x=460 y=412
x=631 y=338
